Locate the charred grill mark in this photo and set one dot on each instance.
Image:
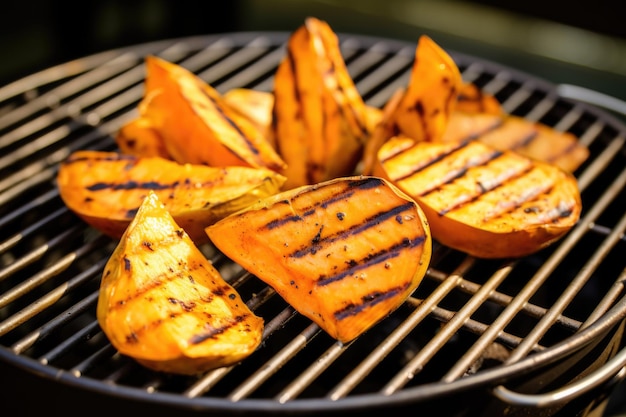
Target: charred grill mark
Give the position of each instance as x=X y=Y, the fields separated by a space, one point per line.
x=109 y=158
x=483 y=190
x=213 y=332
x=363 y=184
x=452 y=96
x=421 y=113
x=131 y=213
x=131 y=185
x=489 y=129
x=355 y=230
x=564 y=152
x=525 y=140
x=462 y=171
x=151 y=185
x=476 y=98
x=185 y=305
x=230 y=122
x=372 y=259
x=348 y=110
x=426 y=163
x=291 y=59
x=562 y=211
x=185 y=272
x=367 y=301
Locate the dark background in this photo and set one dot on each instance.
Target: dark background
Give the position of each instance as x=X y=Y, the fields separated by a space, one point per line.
x=582 y=43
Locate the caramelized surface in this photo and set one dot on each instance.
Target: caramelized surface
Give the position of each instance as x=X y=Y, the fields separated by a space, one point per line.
x=344 y=253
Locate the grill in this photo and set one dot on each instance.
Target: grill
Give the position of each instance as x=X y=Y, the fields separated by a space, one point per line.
x=539 y=333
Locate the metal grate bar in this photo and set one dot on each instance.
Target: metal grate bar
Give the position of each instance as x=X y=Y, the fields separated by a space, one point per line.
x=28 y=259
x=25 y=233
x=524 y=295
x=277 y=361
x=92 y=360
x=541 y=108
x=40 y=305
x=73 y=340
x=531 y=309
x=213 y=377
x=306 y=378
x=571 y=291
x=52 y=98
x=348 y=383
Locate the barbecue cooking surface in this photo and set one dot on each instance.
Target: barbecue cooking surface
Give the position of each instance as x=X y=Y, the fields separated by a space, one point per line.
x=471 y=322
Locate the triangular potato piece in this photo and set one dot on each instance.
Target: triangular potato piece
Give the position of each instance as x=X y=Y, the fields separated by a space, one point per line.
x=319 y=118
x=482 y=201
x=345 y=253
x=162 y=303
x=197 y=125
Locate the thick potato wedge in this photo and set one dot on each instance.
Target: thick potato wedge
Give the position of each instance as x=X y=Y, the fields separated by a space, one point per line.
x=162 y=303
x=197 y=125
x=431 y=94
x=507 y=132
x=319 y=117
x=344 y=253
x=105 y=189
x=485 y=202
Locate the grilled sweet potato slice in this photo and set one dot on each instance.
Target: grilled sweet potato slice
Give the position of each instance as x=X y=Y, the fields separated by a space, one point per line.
x=507 y=132
x=485 y=202
x=431 y=94
x=319 y=117
x=162 y=303
x=344 y=253
x=258 y=105
x=105 y=189
x=197 y=125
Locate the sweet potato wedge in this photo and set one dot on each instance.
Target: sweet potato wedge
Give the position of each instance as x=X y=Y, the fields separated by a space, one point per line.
x=319 y=117
x=197 y=125
x=162 y=303
x=485 y=202
x=344 y=253
x=431 y=94
x=105 y=189
x=507 y=132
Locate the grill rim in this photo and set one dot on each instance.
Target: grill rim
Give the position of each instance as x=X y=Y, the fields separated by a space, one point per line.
x=407 y=395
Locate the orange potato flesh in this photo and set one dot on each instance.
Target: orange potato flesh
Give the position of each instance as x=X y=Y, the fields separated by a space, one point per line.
x=488 y=203
x=197 y=125
x=431 y=94
x=162 y=303
x=105 y=189
x=344 y=253
x=533 y=140
x=319 y=117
